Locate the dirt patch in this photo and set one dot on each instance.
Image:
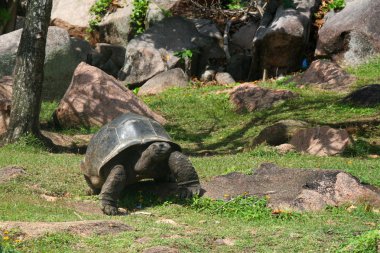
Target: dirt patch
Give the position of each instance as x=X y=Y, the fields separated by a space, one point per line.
x=8 y=173
x=161 y=249
x=30 y=230
x=86 y=207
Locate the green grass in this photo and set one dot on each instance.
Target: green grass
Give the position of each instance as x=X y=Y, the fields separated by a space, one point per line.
x=216 y=138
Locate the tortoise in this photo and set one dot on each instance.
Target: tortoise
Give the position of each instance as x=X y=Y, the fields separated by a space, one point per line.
x=130 y=148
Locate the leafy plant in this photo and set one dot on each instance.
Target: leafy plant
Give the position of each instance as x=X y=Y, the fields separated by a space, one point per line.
x=138 y=16
x=365 y=243
x=185 y=54
x=4 y=16
x=98 y=10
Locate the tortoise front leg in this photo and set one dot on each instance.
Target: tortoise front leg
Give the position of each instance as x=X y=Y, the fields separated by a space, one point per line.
x=185 y=175
x=112 y=188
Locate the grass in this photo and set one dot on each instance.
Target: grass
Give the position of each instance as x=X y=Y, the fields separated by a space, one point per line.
x=204 y=122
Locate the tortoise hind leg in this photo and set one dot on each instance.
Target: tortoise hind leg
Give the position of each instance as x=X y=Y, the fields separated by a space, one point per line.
x=93 y=190
x=112 y=188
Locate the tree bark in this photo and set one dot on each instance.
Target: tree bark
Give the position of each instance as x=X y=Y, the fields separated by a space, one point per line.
x=28 y=72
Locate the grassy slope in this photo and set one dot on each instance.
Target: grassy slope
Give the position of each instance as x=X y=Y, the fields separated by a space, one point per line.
x=203 y=121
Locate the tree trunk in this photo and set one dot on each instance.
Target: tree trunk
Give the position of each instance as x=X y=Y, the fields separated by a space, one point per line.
x=29 y=74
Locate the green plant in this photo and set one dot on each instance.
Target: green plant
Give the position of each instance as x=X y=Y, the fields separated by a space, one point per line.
x=336 y=4
x=243 y=207
x=185 y=54
x=365 y=243
x=98 y=10
x=138 y=16
x=4 y=16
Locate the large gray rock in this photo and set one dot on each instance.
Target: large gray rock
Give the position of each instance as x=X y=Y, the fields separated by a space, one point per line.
x=296 y=189
x=321 y=141
x=153 y=52
x=60 y=60
x=326 y=75
x=169 y=79
x=280 y=132
x=250 y=97
x=107 y=57
x=280 y=41
x=74 y=12
x=368 y=95
x=353 y=34
x=95 y=98
x=5 y=102
x=241 y=41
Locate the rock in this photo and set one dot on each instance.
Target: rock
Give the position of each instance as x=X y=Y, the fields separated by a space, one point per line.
x=153 y=52
x=208 y=28
x=208 y=75
x=224 y=78
x=321 y=141
x=30 y=230
x=327 y=75
x=238 y=66
x=169 y=79
x=115 y=28
x=95 y=98
x=161 y=249
x=60 y=60
x=280 y=41
x=63 y=11
x=154 y=14
x=295 y=189
x=68 y=143
x=5 y=102
x=280 y=132
x=10 y=172
x=252 y=97
x=285 y=148
x=241 y=41
x=366 y=96
x=351 y=35
x=109 y=58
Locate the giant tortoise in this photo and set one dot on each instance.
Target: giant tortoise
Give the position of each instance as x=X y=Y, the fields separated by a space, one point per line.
x=130 y=148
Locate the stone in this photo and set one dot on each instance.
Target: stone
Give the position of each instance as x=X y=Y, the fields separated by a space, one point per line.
x=60 y=60
x=154 y=14
x=107 y=57
x=154 y=51
x=321 y=141
x=241 y=41
x=250 y=97
x=165 y=80
x=208 y=28
x=281 y=39
x=368 y=96
x=238 y=66
x=63 y=10
x=351 y=35
x=5 y=102
x=224 y=78
x=326 y=75
x=285 y=148
x=95 y=98
x=161 y=249
x=294 y=189
x=10 y=172
x=68 y=143
x=280 y=132
x=208 y=75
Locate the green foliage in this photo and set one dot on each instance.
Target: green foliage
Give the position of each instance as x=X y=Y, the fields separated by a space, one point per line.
x=234 y=4
x=365 y=243
x=243 y=207
x=136 y=90
x=4 y=16
x=336 y=4
x=184 y=55
x=98 y=10
x=138 y=16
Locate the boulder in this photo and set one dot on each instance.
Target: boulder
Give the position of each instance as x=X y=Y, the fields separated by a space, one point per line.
x=208 y=75
x=294 y=189
x=351 y=35
x=169 y=79
x=327 y=75
x=154 y=51
x=238 y=66
x=208 y=28
x=285 y=148
x=280 y=132
x=224 y=78
x=5 y=102
x=250 y=97
x=368 y=95
x=281 y=39
x=95 y=98
x=241 y=41
x=60 y=60
x=321 y=141
x=109 y=58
